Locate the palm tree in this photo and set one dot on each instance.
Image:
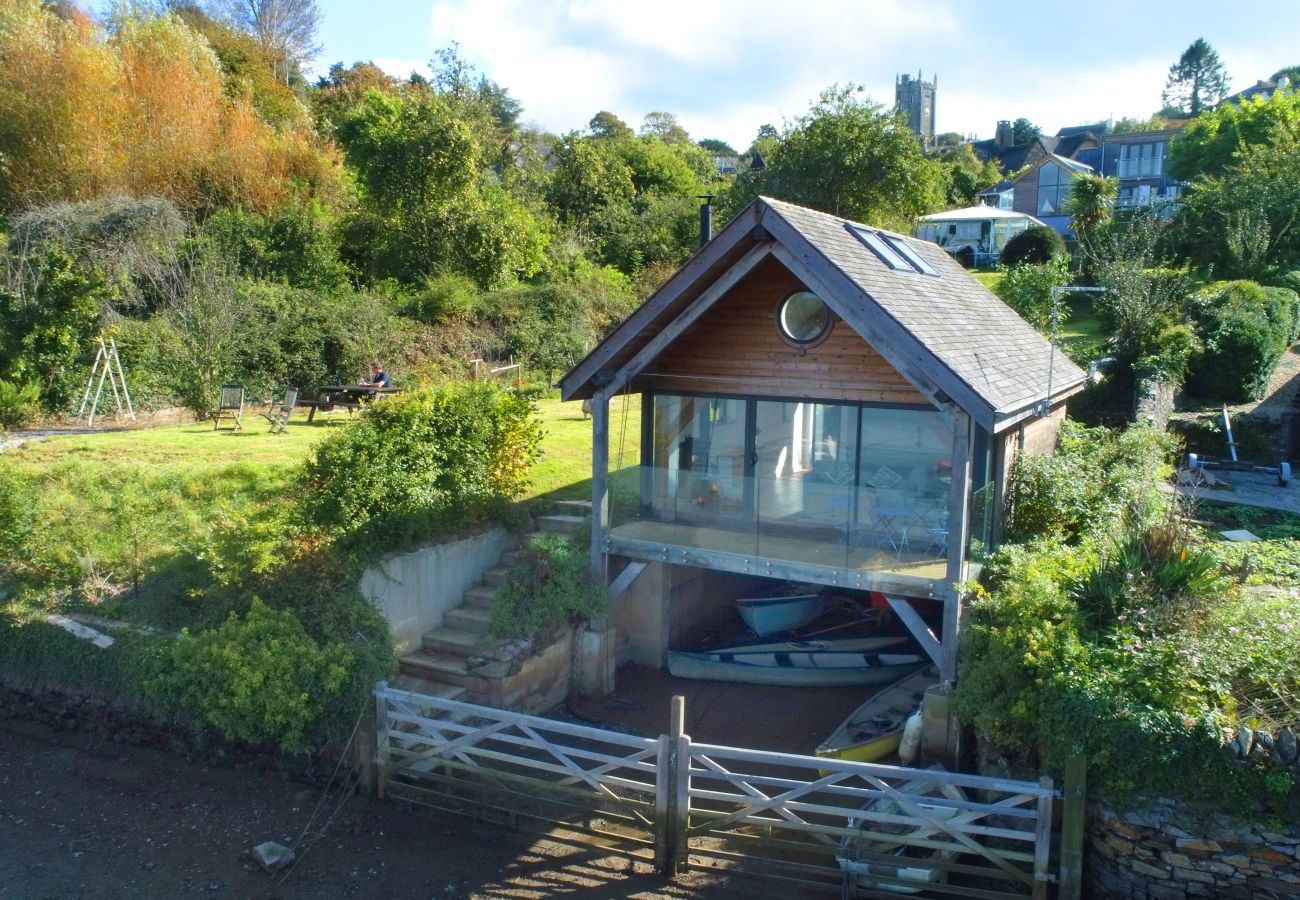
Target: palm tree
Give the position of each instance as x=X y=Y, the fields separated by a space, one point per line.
x=1090 y=201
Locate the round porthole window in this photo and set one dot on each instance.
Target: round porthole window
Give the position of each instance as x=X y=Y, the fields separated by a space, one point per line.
x=803 y=318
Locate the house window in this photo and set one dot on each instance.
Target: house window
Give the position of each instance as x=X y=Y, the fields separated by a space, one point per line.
x=803 y=319
x=1143 y=160
x=1053 y=188
x=1005 y=199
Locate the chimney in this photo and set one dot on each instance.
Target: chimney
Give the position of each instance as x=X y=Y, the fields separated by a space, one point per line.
x=706 y=219
x=1005 y=135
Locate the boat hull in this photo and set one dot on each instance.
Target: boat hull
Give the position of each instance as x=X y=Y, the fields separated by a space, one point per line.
x=875 y=729
x=767 y=616
x=870 y=669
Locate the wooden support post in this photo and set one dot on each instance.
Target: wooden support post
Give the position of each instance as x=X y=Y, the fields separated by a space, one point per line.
x=381 y=738
x=599 y=486
x=1072 y=820
x=1043 y=839
x=958 y=529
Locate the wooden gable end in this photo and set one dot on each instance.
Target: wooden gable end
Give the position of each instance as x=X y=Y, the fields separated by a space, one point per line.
x=735 y=348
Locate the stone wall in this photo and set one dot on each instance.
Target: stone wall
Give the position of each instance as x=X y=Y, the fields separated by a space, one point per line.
x=1158 y=853
x=415 y=589
x=1155 y=403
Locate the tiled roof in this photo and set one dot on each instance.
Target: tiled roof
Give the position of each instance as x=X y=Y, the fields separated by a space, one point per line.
x=966 y=328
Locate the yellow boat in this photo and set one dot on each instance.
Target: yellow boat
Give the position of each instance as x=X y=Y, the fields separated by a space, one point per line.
x=875 y=729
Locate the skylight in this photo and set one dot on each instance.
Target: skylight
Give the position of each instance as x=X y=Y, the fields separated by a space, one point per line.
x=893 y=250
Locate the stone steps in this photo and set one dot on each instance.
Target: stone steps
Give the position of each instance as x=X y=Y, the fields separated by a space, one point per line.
x=481 y=597
x=497 y=577
x=562 y=524
x=454 y=641
x=417 y=684
x=473 y=619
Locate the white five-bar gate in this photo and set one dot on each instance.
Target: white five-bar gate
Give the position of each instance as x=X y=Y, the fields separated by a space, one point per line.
x=862 y=829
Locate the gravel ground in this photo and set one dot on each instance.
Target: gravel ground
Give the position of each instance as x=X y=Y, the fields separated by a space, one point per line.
x=93 y=819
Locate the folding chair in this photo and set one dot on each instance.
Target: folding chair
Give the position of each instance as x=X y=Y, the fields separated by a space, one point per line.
x=232 y=405
x=279 y=413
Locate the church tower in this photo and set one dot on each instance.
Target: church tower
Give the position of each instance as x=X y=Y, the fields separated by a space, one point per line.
x=915 y=99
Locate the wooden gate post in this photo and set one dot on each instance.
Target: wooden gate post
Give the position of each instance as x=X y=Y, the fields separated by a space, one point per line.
x=674 y=855
x=1072 y=818
x=1043 y=839
x=381 y=740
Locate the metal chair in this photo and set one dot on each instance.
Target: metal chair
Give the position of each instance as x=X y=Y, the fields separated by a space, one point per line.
x=232 y=405
x=279 y=413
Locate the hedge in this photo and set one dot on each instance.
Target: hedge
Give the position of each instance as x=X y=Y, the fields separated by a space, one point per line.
x=1244 y=329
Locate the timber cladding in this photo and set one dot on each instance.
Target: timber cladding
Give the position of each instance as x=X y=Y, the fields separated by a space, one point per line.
x=735 y=349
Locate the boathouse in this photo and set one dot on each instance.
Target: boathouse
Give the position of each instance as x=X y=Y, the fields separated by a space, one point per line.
x=822 y=402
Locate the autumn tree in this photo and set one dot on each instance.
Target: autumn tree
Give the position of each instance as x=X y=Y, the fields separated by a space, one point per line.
x=286 y=29
x=1197 y=81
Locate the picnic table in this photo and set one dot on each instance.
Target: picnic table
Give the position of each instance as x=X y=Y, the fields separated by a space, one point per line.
x=348 y=396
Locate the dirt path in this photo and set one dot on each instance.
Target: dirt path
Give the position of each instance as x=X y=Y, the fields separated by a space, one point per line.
x=80 y=819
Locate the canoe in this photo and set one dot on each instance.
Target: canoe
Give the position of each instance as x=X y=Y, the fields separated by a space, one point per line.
x=874 y=729
x=832 y=663
x=778 y=615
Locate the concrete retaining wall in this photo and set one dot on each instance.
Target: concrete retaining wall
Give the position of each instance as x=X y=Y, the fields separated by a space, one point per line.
x=1159 y=854
x=414 y=589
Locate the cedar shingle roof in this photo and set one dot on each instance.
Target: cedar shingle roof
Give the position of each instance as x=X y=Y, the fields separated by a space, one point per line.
x=978 y=350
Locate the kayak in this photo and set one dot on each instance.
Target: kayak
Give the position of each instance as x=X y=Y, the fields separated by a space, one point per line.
x=874 y=729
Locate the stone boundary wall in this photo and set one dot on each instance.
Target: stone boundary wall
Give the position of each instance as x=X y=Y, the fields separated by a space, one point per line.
x=1155 y=403
x=1159 y=853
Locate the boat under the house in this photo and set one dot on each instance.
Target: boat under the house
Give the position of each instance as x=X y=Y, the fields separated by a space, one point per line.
x=825 y=406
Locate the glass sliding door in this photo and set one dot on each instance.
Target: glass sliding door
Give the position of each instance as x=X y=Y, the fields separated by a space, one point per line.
x=805 y=457
x=904 y=479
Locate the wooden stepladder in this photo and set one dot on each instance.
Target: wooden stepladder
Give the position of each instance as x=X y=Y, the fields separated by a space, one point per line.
x=107 y=365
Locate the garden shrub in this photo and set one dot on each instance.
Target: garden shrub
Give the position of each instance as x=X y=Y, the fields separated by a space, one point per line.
x=1037 y=244
x=551 y=589
x=19 y=404
x=16 y=514
x=1250 y=648
x=1028 y=290
x=1167 y=354
x=1095 y=477
x=1244 y=330
x=256 y=678
x=422 y=463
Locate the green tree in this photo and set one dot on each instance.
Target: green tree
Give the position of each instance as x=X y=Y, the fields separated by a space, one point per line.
x=1245 y=223
x=717 y=147
x=429 y=199
x=1023 y=131
x=605 y=124
x=848 y=156
x=967 y=174
x=1290 y=73
x=1126 y=125
x=1197 y=81
x=1207 y=146
x=665 y=127
x=1090 y=201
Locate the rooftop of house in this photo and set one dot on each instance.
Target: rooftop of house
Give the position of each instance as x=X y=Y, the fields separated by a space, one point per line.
x=977 y=214
x=926 y=313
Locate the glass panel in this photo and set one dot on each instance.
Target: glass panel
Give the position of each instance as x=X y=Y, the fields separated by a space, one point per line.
x=698 y=450
x=836 y=485
x=805 y=454
x=904 y=478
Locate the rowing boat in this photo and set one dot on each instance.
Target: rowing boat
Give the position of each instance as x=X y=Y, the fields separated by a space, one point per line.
x=779 y=615
x=874 y=729
x=828 y=663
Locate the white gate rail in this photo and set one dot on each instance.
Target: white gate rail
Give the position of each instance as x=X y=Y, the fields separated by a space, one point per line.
x=860 y=828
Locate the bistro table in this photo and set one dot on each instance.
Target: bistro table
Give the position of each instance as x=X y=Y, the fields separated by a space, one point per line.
x=349 y=396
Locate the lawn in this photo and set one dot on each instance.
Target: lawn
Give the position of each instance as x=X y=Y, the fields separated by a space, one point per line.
x=126 y=522
x=1081 y=334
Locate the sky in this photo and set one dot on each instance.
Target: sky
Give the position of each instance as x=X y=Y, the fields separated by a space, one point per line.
x=725 y=67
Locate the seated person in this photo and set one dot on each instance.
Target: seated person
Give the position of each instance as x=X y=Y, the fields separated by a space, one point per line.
x=378 y=377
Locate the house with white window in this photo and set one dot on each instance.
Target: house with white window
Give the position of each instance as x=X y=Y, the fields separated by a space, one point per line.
x=1140 y=161
x=1040 y=190
x=976 y=235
